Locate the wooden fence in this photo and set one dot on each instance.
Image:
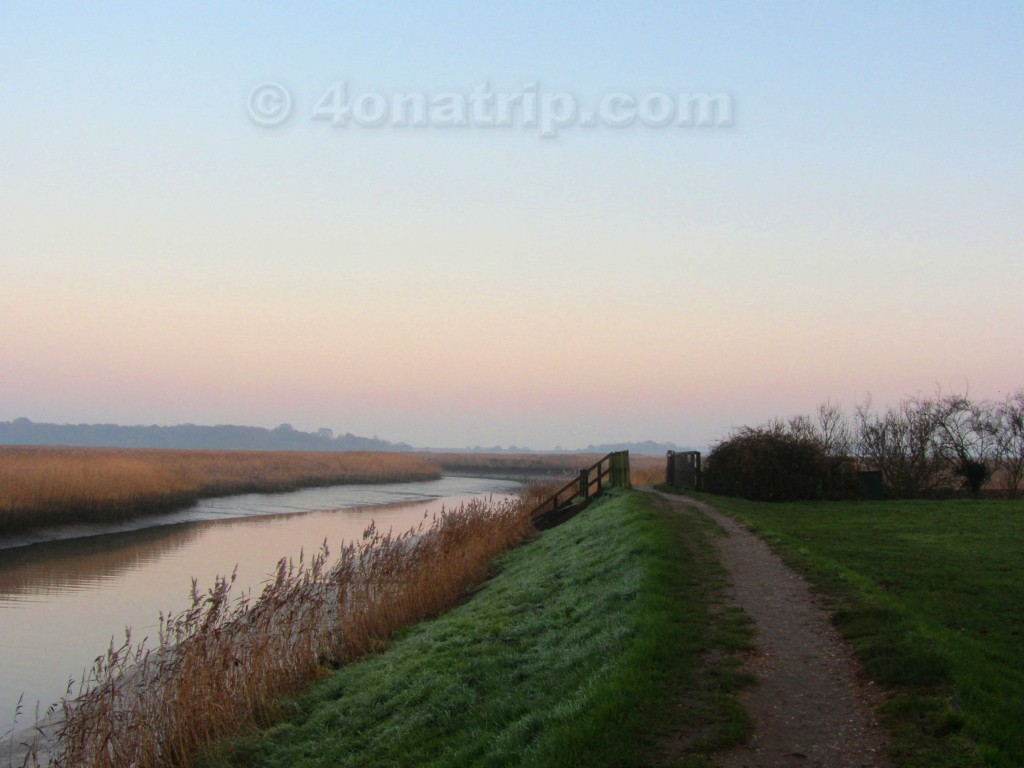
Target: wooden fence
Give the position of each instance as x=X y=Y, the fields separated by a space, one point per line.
x=612 y=471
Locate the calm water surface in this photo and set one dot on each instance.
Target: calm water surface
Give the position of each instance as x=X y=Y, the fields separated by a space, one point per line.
x=62 y=600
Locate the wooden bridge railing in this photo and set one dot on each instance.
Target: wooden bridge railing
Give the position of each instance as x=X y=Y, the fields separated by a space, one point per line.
x=611 y=471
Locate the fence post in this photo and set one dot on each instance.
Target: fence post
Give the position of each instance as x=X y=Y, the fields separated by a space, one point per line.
x=585 y=483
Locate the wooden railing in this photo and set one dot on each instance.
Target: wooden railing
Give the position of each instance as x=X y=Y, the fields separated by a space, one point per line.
x=611 y=471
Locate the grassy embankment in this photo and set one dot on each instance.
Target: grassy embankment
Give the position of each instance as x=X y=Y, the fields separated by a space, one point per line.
x=54 y=486
x=931 y=595
x=602 y=642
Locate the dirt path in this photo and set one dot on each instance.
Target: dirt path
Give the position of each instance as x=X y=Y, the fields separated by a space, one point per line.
x=808 y=706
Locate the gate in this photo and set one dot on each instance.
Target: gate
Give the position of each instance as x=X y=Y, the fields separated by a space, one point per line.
x=682 y=469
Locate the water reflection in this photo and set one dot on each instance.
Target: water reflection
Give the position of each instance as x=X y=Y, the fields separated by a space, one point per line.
x=38 y=572
x=261 y=504
x=61 y=602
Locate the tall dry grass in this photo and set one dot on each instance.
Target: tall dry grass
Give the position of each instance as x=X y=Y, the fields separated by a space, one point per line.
x=514 y=464
x=646 y=470
x=223 y=664
x=537 y=493
x=51 y=486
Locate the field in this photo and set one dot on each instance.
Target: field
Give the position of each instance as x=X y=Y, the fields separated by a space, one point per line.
x=597 y=644
x=931 y=594
x=52 y=486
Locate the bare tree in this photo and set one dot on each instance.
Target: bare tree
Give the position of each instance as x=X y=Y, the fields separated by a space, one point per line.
x=801 y=428
x=828 y=428
x=834 y=432
x=902 y=443
x=1009 y=423
x=966 y=438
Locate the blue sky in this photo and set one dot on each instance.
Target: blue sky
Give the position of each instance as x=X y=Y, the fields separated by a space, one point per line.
x=856 y=229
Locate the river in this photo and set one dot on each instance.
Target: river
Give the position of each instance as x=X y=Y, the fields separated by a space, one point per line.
x=63 y=598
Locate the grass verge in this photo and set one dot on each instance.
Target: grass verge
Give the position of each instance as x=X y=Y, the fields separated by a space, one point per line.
x=600 y=643
x=930 y=594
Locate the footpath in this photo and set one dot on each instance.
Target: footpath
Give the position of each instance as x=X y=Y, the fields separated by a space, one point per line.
x=809 y=706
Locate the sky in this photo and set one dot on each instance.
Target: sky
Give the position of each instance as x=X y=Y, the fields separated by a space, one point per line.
x=217 y=213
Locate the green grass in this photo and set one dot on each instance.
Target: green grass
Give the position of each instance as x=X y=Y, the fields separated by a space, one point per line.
x=931 y=594
x=601 y=643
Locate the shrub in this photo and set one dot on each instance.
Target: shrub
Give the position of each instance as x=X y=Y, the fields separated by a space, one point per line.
x=778 y=463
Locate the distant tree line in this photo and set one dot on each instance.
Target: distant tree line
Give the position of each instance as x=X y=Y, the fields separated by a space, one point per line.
x=943 y=444
x=188 y=436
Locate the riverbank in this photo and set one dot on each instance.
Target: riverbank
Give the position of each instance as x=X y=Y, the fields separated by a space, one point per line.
x=60 y=602
x=51 y=486
x=61 y=487
x=601 y=642
x=378 y=496
x=223 y=662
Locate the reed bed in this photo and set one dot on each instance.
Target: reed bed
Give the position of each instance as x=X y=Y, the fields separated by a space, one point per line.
x=42 y=486
x=226 y=662
x=646 y=470
x=514 y=464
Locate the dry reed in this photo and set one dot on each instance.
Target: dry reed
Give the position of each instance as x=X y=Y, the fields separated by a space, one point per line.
x=646 y=470
x=514 y=464
x=52 y=486
x=224 y=663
